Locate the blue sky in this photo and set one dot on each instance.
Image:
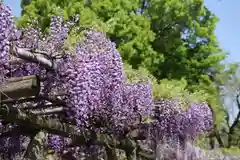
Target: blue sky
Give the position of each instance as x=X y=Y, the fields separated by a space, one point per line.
x=227 y=31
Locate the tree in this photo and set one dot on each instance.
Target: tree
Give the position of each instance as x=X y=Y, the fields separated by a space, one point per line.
x=186 y=39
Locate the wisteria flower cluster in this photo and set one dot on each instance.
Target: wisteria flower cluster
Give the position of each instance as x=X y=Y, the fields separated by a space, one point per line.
x=96 y=85
x=181 y=125
x=7 y=34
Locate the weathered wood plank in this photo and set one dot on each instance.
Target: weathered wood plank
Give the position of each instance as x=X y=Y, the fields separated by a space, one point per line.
x=19 y=87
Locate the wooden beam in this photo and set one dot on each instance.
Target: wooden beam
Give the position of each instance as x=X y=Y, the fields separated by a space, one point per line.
x=19 y=87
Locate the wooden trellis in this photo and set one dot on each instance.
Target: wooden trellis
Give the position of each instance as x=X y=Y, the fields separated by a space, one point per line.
x=30 y=121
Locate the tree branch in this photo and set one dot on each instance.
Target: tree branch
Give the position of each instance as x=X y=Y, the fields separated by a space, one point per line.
x=234 y=124
x=39 y=106
x=215 y=130
x=47 y=111
x=33 y=57
x=17 y=131
x=55 y=101
x=12 y=133
x=30 y=145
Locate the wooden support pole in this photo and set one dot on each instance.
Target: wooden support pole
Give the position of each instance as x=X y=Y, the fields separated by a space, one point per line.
x=19 y=87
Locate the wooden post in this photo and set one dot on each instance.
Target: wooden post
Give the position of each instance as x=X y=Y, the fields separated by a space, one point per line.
x=19 y=87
